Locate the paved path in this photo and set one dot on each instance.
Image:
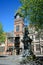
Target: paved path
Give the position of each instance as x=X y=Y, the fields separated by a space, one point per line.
x=10 y=60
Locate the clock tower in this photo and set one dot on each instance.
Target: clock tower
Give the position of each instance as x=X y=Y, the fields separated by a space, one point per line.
x=18 y=33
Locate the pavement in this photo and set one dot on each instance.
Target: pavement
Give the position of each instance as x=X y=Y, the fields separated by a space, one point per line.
x=10 y=60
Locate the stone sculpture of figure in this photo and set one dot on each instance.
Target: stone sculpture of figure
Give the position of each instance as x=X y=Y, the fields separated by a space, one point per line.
x=27 y=43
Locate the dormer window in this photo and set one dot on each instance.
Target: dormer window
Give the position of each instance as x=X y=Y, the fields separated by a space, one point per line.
x=17 y=28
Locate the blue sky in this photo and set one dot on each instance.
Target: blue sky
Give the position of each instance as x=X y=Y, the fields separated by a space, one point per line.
x=8 y=9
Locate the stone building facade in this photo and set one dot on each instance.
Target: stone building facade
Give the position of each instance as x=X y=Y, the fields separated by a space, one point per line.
x=9 y=43
x=37 y=43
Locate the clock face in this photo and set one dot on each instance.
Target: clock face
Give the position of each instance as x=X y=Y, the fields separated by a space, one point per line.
x=18 y=16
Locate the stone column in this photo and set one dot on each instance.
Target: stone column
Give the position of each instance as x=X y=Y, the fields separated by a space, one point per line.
x=21 y=44
x=34 y=45
x=15 y=52
x=6 y=45
x=41 y=50
x=34 y=48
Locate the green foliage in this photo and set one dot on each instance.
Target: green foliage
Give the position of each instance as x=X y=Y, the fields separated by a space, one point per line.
x=33 y=10
x=1 y=30
x=29 y=58
x=2 y=34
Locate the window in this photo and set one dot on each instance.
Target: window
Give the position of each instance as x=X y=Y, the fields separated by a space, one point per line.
x=37 y=37
x=42 y=36
x=10 y=39
x=37 y=47
x=42 y=49
x=17 y=28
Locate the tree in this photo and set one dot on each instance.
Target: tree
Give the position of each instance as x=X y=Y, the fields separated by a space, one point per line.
x=33 y=10
x=2 y=34
x=1 y=30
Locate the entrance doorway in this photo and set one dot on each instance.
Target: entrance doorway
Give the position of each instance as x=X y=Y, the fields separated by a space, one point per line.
x=17 y=45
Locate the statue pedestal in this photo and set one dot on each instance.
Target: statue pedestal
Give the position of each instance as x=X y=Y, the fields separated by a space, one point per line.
x=26 y=53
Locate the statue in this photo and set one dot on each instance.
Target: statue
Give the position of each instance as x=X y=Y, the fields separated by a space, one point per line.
x=27 y=43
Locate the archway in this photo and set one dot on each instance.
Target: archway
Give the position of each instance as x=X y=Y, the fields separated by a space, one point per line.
x=17 y=45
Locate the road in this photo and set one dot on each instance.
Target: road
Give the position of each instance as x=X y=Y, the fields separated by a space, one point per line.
x=10 y=60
